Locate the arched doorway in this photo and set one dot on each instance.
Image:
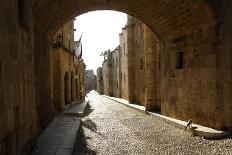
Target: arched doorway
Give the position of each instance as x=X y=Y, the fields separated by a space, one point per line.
x=66 y=88
x=72 y=87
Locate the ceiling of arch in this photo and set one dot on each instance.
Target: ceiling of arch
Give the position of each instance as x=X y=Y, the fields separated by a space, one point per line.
x=165 y=17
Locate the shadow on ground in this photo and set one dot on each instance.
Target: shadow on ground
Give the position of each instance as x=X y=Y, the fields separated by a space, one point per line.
x=88 y=110
x=81 y=145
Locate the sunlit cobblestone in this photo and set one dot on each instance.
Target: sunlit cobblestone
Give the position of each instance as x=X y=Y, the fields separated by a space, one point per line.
x=112 y=128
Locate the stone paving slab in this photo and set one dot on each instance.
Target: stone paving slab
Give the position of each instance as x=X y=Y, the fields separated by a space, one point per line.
x=197 y=130
x=77 y=109
x=59 y=137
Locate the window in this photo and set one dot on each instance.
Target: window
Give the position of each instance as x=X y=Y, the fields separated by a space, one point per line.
x=179 y=60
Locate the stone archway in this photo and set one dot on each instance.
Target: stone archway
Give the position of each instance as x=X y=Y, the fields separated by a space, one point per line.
x=189 y=26
x=200 y=28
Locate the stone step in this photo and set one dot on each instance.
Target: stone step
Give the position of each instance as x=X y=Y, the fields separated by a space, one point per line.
x=59 y=137
x=197 y=130
x=77 y=109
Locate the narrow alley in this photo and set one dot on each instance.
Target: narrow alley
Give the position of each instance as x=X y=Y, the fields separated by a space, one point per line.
x=112 y=128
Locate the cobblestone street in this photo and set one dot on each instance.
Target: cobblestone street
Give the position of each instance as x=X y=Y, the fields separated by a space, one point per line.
x=111 y=128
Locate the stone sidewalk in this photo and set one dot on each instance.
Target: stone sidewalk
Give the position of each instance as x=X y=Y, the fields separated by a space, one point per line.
x=59 y=137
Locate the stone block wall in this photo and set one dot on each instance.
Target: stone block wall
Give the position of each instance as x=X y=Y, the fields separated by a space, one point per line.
x=124 y=64
x=138 y=62
x=79 y=79
x=115 y=72
x=194 y=84
x=90 y=81
x=18 y=117
x=100 y=84
x=195 y=61
x=107 y=74
x=67 y=69
x=152 y=52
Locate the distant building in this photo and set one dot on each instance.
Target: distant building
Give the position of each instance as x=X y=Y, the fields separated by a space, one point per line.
x=116 y=69
x=100 y=84
x=132 y=71
x=90 y=81
x=107 y=74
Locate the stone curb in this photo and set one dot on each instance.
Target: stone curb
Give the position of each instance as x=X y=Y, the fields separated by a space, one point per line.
x=197 y=130
x=77 y=109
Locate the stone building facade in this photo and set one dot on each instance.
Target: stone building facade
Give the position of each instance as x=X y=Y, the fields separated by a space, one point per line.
x=116 y=69
x=123 y=64
x=107 y=74
x=195 y=61
x=80 y=79
x=100 y=84
x=90 y=81
x=132 y=63
x=68 y=69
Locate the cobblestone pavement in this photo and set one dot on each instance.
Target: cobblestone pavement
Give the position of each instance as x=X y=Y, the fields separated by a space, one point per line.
x=112 y=128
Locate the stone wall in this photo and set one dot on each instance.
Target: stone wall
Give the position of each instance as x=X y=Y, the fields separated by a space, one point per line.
x=65 y=66
x=195 y=55
x=115 y=72
x=100 y=84
x=107 y=73
x=152 y=53
x=139 y=64
x=90 y=81
x=18 y=117
x=79 y=79
x=124 y=65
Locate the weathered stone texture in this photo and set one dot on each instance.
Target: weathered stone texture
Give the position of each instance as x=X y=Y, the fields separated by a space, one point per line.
x=107 y=74
x=18 y=117
x=116 y=69
x=124 y=64
x=90 y=81
x=100 y=84
x=152 y=49
x=67 y=70
x=195 y=57
x=138 y=62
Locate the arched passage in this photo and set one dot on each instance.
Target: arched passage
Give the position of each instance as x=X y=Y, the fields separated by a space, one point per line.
x=191 y=27
x=200 y=28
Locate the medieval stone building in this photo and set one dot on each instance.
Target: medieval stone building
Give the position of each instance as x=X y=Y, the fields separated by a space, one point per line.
x=100 y=84
x=133 y=68
x=194 y=49
x=107 y=73
x=90 y=81
x=68 y=68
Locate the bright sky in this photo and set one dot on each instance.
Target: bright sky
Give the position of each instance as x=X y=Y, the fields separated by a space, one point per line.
x=100 y=32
